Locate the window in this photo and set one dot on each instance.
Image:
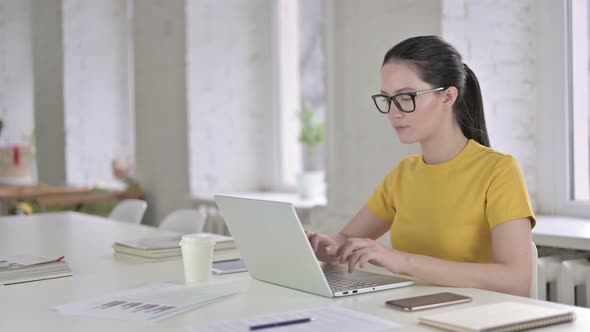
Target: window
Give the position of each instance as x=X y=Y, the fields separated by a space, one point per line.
x=564 y=115
x=299 y=77
x=580 y=113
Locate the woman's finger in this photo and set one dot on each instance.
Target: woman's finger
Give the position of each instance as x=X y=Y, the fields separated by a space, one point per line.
x=350 y=247
x=331 y=250
x=364 y=259
x=355 y=257
x=315 y=241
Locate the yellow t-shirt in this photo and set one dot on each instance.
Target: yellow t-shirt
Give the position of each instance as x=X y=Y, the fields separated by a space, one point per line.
x=448 y=210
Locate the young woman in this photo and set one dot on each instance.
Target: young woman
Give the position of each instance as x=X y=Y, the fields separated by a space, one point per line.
x=459 y=212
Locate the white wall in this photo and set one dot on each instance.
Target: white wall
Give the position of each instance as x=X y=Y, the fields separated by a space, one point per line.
x=497 y=40
x=98 y=117
x=16 y=71
x=362 y=146
x=228 y=50
x=82 y=104
x=161 y=101
x=48 y=90
x=230 y=101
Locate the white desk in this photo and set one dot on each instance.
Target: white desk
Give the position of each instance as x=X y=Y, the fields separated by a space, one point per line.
x=86 y=243
x=562 y=232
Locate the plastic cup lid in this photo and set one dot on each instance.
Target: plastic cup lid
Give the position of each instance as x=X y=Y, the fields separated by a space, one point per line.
x=197 y=239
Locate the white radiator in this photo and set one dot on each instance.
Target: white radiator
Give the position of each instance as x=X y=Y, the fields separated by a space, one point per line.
x=564 y=276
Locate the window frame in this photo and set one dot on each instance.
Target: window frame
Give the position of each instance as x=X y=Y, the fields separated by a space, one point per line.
x=287 y=151
x=555 y=130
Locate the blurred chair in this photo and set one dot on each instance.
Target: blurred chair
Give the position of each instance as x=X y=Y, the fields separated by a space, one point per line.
x=184 y=221
x=129 y=210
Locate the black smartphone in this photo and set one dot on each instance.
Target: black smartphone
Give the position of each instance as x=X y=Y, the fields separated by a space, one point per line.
x=428 y=301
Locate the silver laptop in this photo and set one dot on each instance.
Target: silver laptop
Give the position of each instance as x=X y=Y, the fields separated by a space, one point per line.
x=275 y=248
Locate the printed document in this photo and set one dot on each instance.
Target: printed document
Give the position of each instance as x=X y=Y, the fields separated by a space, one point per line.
x=149 y=303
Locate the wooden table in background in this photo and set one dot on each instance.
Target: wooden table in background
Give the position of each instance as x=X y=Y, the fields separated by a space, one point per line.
x=32 y=192
x=82 y=198
x=56 y=196
x=11 y=194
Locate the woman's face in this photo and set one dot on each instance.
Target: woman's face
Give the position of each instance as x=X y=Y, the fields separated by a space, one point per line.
x=423 y=123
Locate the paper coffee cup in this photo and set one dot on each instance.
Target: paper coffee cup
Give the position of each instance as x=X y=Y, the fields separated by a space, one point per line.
x=197 y=257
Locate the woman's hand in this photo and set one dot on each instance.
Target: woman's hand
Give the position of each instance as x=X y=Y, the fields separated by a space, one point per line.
x=362 y=251
x=324 y=246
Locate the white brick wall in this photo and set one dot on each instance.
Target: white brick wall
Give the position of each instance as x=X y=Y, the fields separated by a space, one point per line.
x=98 y=119
x=229 y=56
x=496 y=39
x=230 y=101
x=16 y=73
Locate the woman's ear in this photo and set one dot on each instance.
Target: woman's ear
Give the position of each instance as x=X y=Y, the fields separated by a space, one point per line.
x=450 y=96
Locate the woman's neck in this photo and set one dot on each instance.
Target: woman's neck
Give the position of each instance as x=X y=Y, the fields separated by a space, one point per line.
x=440 y=150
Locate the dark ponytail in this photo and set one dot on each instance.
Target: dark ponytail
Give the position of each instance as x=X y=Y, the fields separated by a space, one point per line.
x=471 y=117
x=440 y=64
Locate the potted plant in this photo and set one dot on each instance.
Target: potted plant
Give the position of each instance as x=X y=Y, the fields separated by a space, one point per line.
x=310 y=183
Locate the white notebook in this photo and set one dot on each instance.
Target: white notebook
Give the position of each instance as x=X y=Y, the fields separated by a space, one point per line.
x=498 y=317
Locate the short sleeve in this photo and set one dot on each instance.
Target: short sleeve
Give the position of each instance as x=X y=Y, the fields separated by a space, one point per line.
x=507 y=197
x=381 y=202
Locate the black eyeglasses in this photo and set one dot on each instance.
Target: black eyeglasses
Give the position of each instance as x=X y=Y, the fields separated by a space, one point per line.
x=405 y=101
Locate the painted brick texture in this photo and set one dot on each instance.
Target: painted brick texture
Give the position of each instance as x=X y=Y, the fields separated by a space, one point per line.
x=496 y=39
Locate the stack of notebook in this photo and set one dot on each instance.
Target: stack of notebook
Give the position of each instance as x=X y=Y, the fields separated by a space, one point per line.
x=19 y=269
x=165 y=248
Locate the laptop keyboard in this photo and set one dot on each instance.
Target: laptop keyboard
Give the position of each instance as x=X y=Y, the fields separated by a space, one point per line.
x=341 y=284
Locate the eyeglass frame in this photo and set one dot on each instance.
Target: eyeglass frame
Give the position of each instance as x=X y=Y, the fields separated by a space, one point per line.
x=413 y=95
